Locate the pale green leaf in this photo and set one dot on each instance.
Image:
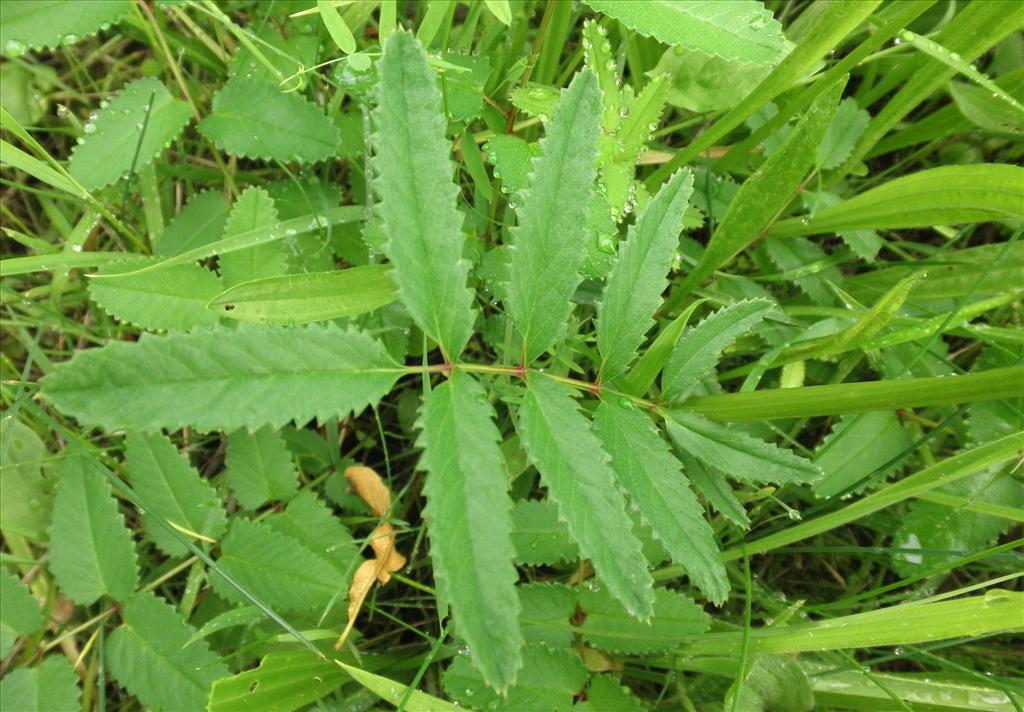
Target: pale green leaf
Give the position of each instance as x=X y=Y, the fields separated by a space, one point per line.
x=282 y=682
x=27 y=488
x=415 y=701
x=501 y=10
x=546 y=255
x=302 y=298
x=14 y=156
x=19 y=612
x=609 y=627
x=336 y=27
x=654 y=357
x=172 y=491
x=633 y=291
x=575 y=469
x=274 y=568
x=52 y=686
x=224 y=380
x=231 y=618
x=716 y=490
x=512 y=158
x=150 y=656
x=549 y=681
x=253 y=210
x=41 y=24
x=605 y=693
x=199 y=223
x=735 y=453
x=655 y=483
x=173 y=299
x=254 y=119
x=538 y=536
x=985 y=109
x=468 y=521
x=260 y=468
x=769 y=190
x=847 y=126
x=856 y=447
x=698 y=351
x=743 y=30
x=947 y=195
x=111 y=140
x=91 y=549
x=775 y=683
x=307 y=520
x=414 y=178
x=705 y=83
x=545 y=614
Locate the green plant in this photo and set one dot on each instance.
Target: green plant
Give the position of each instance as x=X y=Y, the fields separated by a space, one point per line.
x=543 y=350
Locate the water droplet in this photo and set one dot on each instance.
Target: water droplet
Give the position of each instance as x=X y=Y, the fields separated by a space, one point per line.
x=69 y=39
x=15 y=48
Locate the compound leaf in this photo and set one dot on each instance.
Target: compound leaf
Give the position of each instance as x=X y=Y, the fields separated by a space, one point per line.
x=575 y=469
x=467 y=516
x=260 y=468
x=637 y=280
x=308 y=521
x=654 y=481
x=547 y=254
x=418 y=197
x=697 y=353
x=274 y=568
x=151 y=657
x=254 y=209
x=609 y=627
x=52 y=686
x=91 y=550
x=549 y=680
x=735 y=453
x=224 y=379
x=254 y=119
x=741 y=30
x=111 y=146
x=173 y=299
x=40 y=24
x=172 y=490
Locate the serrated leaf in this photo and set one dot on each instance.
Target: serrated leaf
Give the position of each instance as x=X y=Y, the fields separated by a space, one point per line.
x=173 y=491
x=52 y=686
x=467 y=515
x=246 y=615
x=698 y=351
x=549 y=681
x=512 y=158
x=576 y=471
x=260 y=468
x=111 y=146
x=283 y=682
x=769 y=190
x=994 y=419
x=149 y=655
x=743 y=30
x=653 y=359
x=91 y=550
x=275 y=568
x=546 y=255
x=539 y=537
x=843 y=133
x=41 y=24
x=303 y=298
x=716 y=490
x=309 y=522
x=735 y=453
x=945 y=532
x=607 y=625
x=19 y=612
x=705 y=83
x=27 y=490
x=792 y=255
x=253 y=210
x=254 y=119
x=655 y=483
x=546 y=609
x=199 y=223
x=605 y=693
x=856 y=446
x=173 y=299
x=414 y=179
x=948 y=195
x=633 y=291
x=223 y=380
